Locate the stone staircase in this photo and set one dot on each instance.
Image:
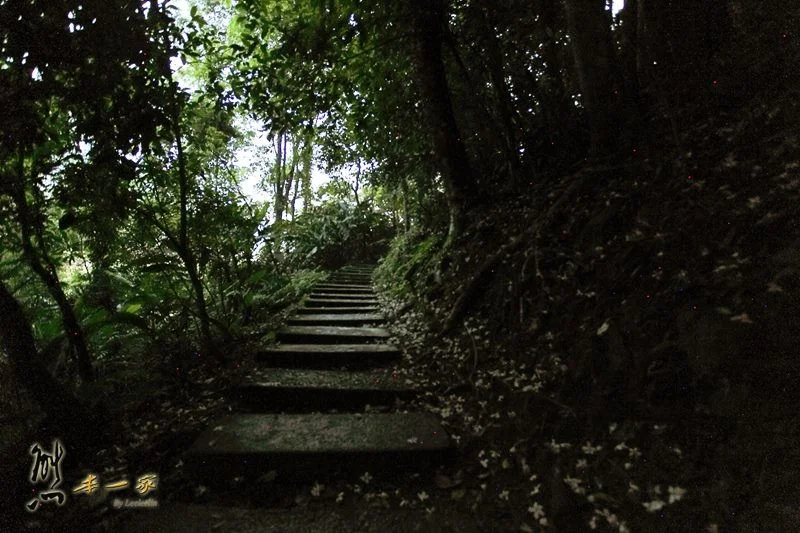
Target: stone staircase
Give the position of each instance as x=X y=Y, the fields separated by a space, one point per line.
x=302 y=411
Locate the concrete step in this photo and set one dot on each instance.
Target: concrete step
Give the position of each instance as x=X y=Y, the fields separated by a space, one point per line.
x=331 y=334
x=319 y=294
x=334 y=309
x=312 y=445
x=329 y=355
x=345 y=285
x=337 y=319
x=350 y=280
x=344 y=289
x=339 y=302
x=303 y=390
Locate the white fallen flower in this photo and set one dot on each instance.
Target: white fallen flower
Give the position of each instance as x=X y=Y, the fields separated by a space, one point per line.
x=675 y=493
x=654 y=505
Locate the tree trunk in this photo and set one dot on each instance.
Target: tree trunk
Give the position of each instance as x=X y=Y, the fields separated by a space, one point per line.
x=67 y=416
x=428 y=23
x=295 y=194
x=202 y=309
x=187 y=255
x=43 y=266
x=556 y=103
x=293 y=174
x=358 y=182
x=590 y=35
x=630 y=49
x=406 y=207
x=277 y=176
x=182 y=243
x=502 y=93
x=306 y=193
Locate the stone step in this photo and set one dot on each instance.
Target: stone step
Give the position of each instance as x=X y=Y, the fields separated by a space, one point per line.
x=312 y=445
x=344 y=289
x=337 y=302
x=365 y=286
x=352 y=280
x=339 y=296
x=303 y=390
x=337 y=319
x=331 y=334
x=337 y=310
x=329 y=355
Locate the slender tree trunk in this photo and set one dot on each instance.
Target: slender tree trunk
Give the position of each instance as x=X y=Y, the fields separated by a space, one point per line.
x=43 y=266
x=428 y=20
x=185 y=249
x=630 y=52
x=308 y=153
x=278 y=171
x=406 y=207
x=182 y=243
x=357 y=185
x=590 y=34
x=556 y=103
x=486 y=122
x=295 y=194
x=503 y=94
x=290 y=180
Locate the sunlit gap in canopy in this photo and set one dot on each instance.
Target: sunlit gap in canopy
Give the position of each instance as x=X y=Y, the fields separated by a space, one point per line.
x=246 y=155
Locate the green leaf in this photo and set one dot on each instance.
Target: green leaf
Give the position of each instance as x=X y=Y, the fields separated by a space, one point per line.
x=132 y=308
x=125 y=281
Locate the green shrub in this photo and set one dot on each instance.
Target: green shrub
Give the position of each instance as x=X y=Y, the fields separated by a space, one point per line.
x=410 y=264
x=335 y=234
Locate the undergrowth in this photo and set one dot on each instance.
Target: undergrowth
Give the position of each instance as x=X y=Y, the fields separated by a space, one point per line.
x=626 y=361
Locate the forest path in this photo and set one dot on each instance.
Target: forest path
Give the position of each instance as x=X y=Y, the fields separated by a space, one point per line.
x=321 y=404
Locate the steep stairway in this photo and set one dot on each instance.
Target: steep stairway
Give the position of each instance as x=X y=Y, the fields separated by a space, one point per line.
x=301 y=412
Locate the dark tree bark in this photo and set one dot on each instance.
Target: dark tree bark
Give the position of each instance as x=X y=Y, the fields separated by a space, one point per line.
x=428 y=20
x=631 y=59
x=556 y=103
x=357 y=185
x=67 y=416
x=406 y=206
x=181 y=242
x=277 y=185
x=590 y=35
x=183 y=246
x=505 y=105
x=548 y=18
x=41 y=263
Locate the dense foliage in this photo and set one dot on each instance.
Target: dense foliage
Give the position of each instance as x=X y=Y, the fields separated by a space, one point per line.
x=527 y=174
